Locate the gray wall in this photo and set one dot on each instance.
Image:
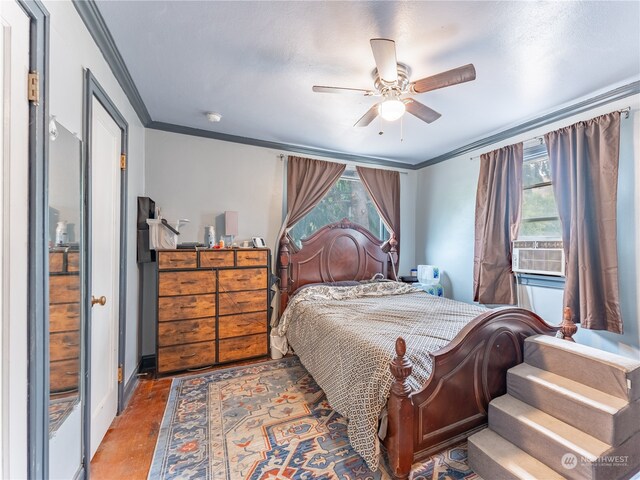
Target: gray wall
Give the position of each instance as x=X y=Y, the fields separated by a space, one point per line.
x=445 y=230
x=199 y=178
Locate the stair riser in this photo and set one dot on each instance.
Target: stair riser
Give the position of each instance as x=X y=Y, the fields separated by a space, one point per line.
x=588 y=371
x=544 y=448
x=611 y=429
x=485 y=466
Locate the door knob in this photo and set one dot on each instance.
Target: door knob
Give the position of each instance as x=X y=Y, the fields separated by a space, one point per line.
x=100 y=301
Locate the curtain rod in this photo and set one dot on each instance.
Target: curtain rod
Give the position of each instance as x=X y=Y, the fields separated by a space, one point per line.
x=349 y=164
x=540 y=139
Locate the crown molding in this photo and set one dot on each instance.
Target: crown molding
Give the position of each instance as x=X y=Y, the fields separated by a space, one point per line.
x=197 y=132
x=93 y=20
x=588 y=104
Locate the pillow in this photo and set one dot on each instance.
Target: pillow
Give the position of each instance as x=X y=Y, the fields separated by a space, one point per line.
x=342 y=283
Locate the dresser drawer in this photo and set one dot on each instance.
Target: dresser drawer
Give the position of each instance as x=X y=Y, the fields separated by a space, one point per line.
x=64 y=288
x=186 y=356
x=242 y=302
x=63 y=375
x=242 y=279
x=173 y=260
x=244 y=324
x=64 y=346
x=216 y=258
x=186 y=331
x=247 y=258
x=242 y=347
x=64 y=317
x=186 y=283
x=73 y=261
x=185 y=307
x=56 y=262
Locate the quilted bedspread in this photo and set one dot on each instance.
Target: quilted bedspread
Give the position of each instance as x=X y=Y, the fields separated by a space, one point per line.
x=345 y=337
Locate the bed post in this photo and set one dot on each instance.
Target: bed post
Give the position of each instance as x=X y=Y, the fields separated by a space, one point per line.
x=283 y=271
x=568 y=328
x=399 y=439
x=393 y=258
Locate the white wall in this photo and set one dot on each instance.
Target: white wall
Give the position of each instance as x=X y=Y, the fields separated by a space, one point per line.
x=199 y=178
x=445 y=229
x=72 y=50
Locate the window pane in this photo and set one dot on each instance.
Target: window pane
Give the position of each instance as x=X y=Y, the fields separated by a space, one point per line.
x=347 y=199
x=539 y=202
x=536 y=171
x=541 y=228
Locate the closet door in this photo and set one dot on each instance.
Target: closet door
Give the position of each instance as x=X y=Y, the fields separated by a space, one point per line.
x=105 y=257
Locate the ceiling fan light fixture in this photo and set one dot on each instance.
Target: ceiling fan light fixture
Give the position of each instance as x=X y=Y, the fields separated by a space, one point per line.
x=391 y=109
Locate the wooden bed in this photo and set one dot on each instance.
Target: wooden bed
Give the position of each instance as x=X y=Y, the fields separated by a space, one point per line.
x=467 y=374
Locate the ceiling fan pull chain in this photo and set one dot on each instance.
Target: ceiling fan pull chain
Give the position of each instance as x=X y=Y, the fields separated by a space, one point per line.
x=402 y=129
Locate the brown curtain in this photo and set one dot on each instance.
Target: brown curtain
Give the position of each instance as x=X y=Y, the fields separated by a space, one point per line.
x=584 y=174
x=384 y=188
x=498 y=202
x=308 y=181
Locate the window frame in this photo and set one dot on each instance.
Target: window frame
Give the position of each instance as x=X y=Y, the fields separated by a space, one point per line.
x=350 y=174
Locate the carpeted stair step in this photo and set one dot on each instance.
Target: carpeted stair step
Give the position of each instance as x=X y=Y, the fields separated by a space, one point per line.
x=493 y=457
x=605 y=417
x=552 y=441
x=604 y=371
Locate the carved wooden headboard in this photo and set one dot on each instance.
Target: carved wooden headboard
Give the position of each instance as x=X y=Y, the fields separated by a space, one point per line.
x=338 y=251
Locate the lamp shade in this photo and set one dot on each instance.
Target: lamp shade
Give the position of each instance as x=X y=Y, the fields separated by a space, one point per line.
x=231 y=223
x=391 y=109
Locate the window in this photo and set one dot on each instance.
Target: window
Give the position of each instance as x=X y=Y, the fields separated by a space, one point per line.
x=347 y=199
x=539 y=210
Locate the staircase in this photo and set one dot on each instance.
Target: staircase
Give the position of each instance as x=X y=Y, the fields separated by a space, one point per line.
x=570 y=411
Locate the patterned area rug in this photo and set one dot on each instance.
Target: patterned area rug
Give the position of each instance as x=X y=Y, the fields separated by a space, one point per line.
x=59 y=410
x=267 y=421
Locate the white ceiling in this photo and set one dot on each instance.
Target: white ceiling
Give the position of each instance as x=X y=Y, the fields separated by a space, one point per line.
x=255 y=63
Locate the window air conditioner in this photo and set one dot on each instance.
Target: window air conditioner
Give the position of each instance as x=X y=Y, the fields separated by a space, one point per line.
x=543 y=257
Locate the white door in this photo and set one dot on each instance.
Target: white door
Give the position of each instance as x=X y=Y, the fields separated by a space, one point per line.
x=14 y=216
x=105 y=256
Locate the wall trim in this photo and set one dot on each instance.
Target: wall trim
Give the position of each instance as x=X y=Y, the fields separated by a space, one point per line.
x=588 y=104
x=130 y=388
x=225 y=137
x=94 y=21
x=38 y=251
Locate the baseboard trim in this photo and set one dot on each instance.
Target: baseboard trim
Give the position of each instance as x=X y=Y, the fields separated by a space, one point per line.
x=147 y=364
x=130 y=387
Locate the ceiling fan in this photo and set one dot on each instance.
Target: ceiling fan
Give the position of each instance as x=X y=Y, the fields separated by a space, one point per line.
x=391 y=81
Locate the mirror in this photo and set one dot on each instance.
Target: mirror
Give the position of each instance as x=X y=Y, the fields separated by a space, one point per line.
x=65 y=319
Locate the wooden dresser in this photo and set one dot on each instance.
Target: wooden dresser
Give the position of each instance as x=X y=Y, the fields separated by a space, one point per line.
x=213 y=307
x=64 y=321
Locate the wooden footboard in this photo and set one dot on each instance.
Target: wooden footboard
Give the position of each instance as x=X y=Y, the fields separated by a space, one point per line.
x=467 y=374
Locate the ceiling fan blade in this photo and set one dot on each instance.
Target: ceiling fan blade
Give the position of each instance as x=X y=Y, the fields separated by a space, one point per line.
x=421 y=111
x=384 y=52
x=347 y=91
x=462 y=74
x=368 y=117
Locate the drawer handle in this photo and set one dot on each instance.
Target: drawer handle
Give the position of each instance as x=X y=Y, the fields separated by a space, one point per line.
x=71 y=373
x=244 y=302
x=72 y=344
x=189 y=282
x=186 y=331
x=185 y=307
x=188 y=356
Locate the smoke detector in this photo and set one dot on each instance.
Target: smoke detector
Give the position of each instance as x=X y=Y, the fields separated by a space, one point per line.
x=214 y=117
